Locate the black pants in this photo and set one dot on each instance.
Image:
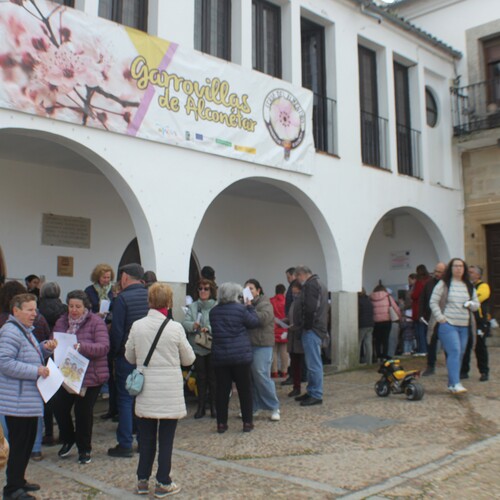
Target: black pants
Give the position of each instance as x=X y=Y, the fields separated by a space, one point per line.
x=112 y=402
x=48 y=419
x=381 y=332
x=84 y=417
x=149 y=436
x=22 y=434
x=205 y=378
x=432 y=348
x=240 y=374
x=481 y=355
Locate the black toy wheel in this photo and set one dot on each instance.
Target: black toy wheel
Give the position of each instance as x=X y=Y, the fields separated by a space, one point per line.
x=382 y=388
x=414 y=391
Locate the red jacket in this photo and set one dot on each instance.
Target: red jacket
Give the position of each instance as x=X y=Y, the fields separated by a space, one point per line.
x=415 y=298
x=94 y=345
x=278 y=302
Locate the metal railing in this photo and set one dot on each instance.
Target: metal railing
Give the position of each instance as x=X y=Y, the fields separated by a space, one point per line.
x=374 y=137
x=475 y=107
x=408 y=141
x=324 y=123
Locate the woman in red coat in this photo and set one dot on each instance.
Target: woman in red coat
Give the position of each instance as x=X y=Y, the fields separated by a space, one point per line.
x=280 y=333
x=420 y=328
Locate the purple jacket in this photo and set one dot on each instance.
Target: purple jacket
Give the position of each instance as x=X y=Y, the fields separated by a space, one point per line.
x=94 y=345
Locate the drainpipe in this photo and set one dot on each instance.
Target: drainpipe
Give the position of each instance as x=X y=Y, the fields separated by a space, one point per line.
x=367 y=3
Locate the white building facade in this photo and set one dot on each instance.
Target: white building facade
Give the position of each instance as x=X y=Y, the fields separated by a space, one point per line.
x=373 y=189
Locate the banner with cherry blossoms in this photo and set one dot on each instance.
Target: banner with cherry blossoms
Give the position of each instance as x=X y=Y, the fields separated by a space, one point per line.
x=59 y=63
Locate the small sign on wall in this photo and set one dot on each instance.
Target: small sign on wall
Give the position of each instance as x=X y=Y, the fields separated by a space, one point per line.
x=65 y=231
x=65 y=266
x=400 y=260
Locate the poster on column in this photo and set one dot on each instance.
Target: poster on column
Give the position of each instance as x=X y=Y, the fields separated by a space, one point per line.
x=62 y=64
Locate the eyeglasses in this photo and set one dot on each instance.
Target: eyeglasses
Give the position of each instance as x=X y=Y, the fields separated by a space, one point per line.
x=204 y=289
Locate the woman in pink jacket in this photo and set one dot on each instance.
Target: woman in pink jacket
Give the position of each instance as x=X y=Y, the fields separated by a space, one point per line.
x=93 y=343
x=382 y=301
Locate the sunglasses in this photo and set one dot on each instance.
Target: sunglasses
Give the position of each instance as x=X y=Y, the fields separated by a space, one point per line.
x=204 y=289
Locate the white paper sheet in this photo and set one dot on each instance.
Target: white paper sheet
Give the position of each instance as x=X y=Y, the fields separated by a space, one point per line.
x=64 y=342
x=104 y=306
x=247 y=294
x=50 y=385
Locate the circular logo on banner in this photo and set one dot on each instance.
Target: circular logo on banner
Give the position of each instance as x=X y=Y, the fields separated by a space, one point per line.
x=285 y=119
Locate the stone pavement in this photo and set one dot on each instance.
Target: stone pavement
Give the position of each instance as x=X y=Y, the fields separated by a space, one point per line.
x=356 y=445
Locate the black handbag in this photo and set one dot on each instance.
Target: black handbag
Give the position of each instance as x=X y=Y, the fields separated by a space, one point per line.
x=135 y=381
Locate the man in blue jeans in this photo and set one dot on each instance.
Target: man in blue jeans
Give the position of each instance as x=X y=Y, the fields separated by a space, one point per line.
x=312 y=317
x=129 y=306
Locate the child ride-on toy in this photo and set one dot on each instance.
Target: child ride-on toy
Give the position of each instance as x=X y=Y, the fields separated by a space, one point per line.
x=398 y=381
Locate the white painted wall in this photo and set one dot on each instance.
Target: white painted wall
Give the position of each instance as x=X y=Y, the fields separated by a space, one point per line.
x=244 y=238
x=409 y=235
x=28 y=191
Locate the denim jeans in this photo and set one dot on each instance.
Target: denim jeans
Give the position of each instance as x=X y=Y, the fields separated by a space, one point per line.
x=421 y=335
x=312 y=352
x=454 y=341
x=366 y=344
x=153 y=431
x=263 y=387
x=37 y=446
x=125 y=403
x=393 y=339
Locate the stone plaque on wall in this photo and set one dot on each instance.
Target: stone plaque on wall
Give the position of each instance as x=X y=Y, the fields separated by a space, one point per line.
x=65 y=266
x=65 y=231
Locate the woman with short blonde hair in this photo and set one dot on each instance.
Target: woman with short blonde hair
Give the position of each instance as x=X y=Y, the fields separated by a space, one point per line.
x=102 y=278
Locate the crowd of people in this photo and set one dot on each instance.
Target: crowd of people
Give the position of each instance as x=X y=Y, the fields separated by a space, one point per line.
x=230 y=333
x=450 y=305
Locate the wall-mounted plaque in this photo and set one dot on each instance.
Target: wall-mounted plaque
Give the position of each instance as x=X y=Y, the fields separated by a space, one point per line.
x=65 y=231
x=65 y=266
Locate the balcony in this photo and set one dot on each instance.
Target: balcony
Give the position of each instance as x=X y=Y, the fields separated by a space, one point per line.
x=324 y=124
x=374 y=140
x=475 y=107
x=408 y=141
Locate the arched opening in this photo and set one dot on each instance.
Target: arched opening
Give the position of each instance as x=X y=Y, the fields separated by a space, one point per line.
x=257 y=228
x=402 y=239
x=44 y=174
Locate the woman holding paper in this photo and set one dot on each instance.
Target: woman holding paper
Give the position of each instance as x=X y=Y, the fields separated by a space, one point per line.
x=21 y=363
x=92 y=343
x=161 y=403
x=101 y=288
x=197 y=320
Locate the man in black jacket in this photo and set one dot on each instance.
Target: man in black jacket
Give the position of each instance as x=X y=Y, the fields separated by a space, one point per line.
x=312 y=317
x=130 y=305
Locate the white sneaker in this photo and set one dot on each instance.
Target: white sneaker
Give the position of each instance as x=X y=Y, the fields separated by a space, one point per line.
x=457 y=388
x=275 y=416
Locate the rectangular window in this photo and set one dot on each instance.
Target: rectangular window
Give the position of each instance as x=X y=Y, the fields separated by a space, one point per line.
x=403 y=119
x=133 y=13
x=68 y=3
x=492 y=63
x=314 y=78
x=212 y=27
x=266 y=39
x=368 y=100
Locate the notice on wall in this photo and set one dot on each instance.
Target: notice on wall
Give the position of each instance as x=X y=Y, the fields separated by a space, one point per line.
x=400 y=260
x=65 y=231
x=65 y=266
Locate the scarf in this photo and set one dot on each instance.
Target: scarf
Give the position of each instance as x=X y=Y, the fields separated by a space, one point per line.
x=163 y=310
x=74 y=324
x=102 y=291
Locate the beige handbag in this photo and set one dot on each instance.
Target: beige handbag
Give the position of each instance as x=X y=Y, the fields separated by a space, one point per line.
x=4 y=449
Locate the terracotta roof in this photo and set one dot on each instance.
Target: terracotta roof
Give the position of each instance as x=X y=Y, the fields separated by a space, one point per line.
x=387 y=12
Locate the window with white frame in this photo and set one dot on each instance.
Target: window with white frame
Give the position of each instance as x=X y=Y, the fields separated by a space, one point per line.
x=133 y=13
x=266 y=39
x=212 y=27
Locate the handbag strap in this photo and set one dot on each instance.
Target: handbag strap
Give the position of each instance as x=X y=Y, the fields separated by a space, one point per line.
x=155 y=341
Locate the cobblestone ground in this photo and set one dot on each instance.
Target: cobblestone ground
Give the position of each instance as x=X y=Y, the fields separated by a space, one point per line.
x=440 y=447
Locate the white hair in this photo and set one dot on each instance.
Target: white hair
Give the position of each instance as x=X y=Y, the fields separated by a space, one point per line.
x=229 y=292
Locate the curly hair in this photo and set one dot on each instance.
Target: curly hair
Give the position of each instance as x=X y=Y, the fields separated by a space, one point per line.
x=211 y=284
x=99 y=270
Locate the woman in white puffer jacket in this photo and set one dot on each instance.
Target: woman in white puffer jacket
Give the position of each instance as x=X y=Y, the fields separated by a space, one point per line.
x=161 y=402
